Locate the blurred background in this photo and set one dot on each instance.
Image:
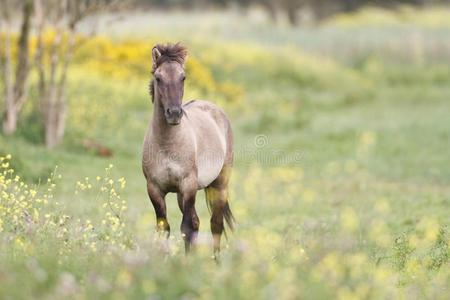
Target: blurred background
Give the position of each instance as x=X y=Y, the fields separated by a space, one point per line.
x=340 y=111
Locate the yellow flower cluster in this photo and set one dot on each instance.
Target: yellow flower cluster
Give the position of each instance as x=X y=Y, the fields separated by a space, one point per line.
x=27 y=212
x=20 y=204
x=131 y=59
x=112 y=227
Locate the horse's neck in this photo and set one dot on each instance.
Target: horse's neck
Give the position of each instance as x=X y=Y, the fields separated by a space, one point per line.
x=158 y=119
x=160 y=129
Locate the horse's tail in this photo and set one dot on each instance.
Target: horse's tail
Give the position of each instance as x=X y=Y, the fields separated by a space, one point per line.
x=228 y=215
x=211 y=195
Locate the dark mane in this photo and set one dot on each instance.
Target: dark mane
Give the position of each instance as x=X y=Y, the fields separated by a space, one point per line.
x=151 y=88
x=170 y=52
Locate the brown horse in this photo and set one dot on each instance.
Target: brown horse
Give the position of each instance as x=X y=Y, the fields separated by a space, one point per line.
x=187 y=147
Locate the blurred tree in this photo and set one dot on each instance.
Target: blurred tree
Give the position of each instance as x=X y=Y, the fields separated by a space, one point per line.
x=272 y=8
x=15 y=91
x=291 y=7
x=323 y=9
x=62 y=16
x=286 y=5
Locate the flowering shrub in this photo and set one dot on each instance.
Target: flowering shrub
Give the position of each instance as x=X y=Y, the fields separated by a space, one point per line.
x=132 y=59
x=127 y=65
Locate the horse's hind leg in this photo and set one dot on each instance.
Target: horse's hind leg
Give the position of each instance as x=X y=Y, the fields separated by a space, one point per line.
x=217 y=199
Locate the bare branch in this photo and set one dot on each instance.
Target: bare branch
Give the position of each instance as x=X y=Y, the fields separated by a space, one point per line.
x=39 y=13
x=54 y=52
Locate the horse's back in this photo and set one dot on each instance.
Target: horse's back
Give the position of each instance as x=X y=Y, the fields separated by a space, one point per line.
x=203 y=112
x=214 y=139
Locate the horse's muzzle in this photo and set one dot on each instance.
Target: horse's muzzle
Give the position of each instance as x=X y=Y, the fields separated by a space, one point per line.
x=174 y=115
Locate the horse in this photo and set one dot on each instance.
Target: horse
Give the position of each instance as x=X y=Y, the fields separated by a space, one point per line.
x=187 y=147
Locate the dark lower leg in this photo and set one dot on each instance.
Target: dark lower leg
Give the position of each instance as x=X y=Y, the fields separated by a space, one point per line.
x=216 y=230
x=190 y=223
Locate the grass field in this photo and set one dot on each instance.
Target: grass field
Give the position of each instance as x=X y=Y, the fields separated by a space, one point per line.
x=341 y=184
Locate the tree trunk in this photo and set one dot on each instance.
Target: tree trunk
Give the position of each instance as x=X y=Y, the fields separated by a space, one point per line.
x=23 y=68
x=49 y=123
x=61 y=106
x=292 y=16
x=50 y=91
x=10 y=121
x=9 y=118
x=291 y=8
x=271 y=7
x=60 y=120
x=16 y=94
x=54 y=122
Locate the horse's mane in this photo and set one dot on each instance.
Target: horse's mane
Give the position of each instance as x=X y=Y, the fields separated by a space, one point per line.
x=151 y=87
x=171 y=52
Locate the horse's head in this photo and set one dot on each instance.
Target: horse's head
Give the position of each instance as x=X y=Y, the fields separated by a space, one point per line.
x=168 y=83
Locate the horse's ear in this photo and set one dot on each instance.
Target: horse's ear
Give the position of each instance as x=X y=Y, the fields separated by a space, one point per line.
x=185 y=59
x=155 y=55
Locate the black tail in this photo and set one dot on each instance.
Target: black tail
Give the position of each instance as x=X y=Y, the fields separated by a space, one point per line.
x=228 y=215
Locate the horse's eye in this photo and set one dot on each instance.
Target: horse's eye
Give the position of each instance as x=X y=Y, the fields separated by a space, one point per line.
x=183 y=78
x=158 y=79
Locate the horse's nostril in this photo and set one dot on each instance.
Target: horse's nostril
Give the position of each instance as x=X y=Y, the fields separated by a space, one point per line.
x=174 y=112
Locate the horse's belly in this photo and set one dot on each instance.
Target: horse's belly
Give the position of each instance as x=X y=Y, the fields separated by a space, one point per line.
x=209 y=168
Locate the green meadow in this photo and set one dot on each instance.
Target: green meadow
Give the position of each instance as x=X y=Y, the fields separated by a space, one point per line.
x=341 y=181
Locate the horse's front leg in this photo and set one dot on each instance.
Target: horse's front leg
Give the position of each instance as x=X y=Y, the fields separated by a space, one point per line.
x=190 y=223
x=159 y=204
